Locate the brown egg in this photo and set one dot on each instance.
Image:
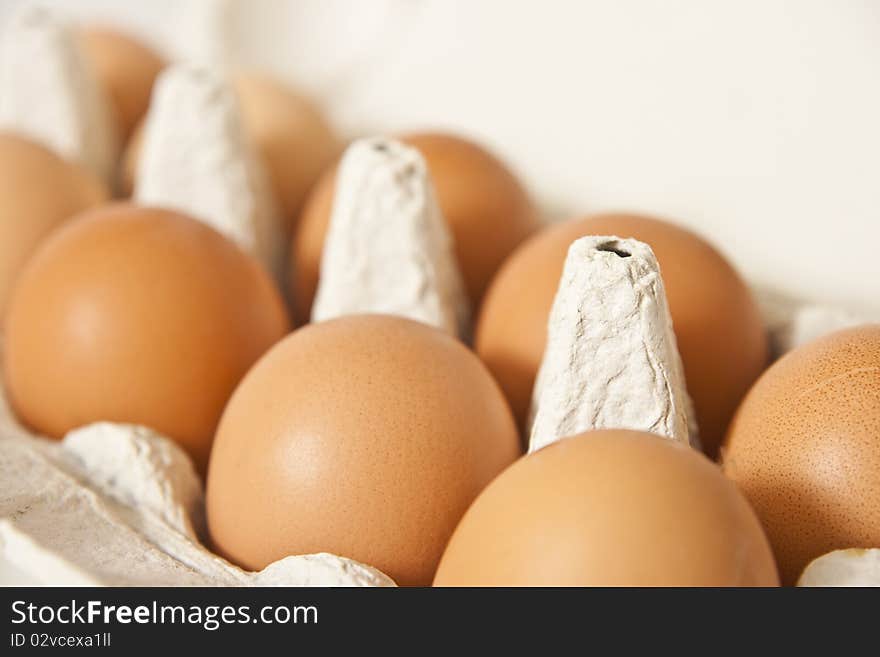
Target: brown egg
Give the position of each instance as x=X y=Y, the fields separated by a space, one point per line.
x=717 y=324
x=129 y=162
x=38 y=191
x=485 y=206
x=366 y=436
x=804 y=447
x=295 y=141
x=307 y=247
x=126 y=68
x=609 y=508
x=138 y=315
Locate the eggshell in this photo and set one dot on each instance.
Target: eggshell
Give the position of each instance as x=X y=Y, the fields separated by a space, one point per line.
x=717 y=324
x=136 y=315
x=609 y=508
x=804 y=447
x=38 y=191
x=126 y=68
x=289 y=132
x=486 y=208
x=295 y=140
x=365 y=436
x=128 y=163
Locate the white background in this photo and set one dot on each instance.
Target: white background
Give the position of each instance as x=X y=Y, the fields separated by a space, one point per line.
x=756 y=122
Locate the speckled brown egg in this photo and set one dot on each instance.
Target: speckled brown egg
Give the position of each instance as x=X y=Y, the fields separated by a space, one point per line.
x=365 y=436
x=126 y=68
x=486 y=208
x=804 y=447
x=137 y=315
x=717 y=324
x=38 y=191
x=609 y=508
x=288 y=131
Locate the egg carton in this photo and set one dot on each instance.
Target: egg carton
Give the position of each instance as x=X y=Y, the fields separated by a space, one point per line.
x=120 y=505
x=115 y=504
x=57 y=103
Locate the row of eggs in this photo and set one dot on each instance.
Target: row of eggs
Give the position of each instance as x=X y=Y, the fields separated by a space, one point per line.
x=371 y=436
